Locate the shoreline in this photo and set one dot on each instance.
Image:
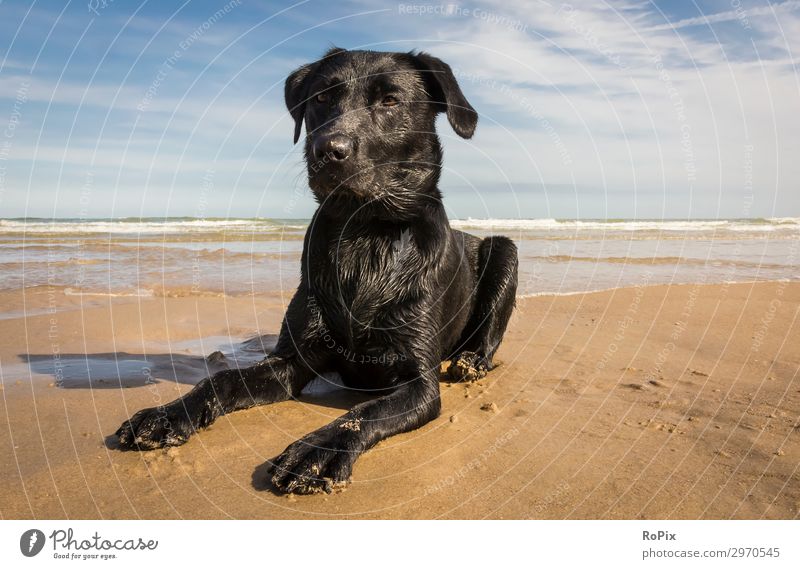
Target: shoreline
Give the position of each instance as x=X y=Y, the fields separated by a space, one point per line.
x=635 y=286
x=7 y=296
x=655 y=401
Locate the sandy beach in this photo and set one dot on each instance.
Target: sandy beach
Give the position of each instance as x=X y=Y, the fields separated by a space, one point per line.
x=667 y=401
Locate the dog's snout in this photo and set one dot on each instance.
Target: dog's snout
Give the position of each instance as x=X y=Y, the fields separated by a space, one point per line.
x=336 y=147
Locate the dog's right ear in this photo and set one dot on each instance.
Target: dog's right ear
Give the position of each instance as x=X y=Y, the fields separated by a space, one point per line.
x=296 y=93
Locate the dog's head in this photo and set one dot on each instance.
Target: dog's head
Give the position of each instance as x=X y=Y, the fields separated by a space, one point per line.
x=370 y=125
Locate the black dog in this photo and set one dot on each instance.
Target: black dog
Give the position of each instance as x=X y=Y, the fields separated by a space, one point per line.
x=388 y=290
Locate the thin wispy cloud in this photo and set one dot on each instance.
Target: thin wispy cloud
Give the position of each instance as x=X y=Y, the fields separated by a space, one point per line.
x=579 y=101
x=730 y=16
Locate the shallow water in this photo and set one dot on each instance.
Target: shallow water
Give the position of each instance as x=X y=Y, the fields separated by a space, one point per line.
x=183 y=256
x=185 y=362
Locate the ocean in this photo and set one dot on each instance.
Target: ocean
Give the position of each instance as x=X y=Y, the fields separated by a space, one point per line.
x=151 y=257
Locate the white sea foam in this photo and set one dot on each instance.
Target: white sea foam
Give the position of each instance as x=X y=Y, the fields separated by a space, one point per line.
x=144 y=226
x=699 y=225
x=138 y=293
x=153 y=226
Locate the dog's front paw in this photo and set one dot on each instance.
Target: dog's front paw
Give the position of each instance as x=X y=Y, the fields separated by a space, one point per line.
x=468 y=366
x=155 y=428
x=319 y=462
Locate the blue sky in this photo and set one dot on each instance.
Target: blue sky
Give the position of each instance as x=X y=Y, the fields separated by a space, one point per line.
x=588 y=109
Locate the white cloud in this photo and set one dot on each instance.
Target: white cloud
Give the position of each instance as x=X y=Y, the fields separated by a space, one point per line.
x=580 y=79
x=588 y=69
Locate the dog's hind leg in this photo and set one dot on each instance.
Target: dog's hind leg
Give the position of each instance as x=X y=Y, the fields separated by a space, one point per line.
x=494 y=302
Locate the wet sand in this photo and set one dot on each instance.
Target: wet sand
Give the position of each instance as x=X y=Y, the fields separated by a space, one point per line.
x=649 y=402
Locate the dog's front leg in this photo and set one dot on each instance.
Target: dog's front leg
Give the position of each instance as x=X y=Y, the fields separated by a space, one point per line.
x=271 y=380
x=323 y=460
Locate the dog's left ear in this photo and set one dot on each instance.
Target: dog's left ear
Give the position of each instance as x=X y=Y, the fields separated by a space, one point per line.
x=444 y=90
x=295 y=91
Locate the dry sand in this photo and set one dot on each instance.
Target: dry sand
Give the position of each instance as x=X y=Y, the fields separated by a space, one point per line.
x=651 y=402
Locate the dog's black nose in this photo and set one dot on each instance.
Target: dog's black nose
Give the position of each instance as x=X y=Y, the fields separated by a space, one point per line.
x=336 y=147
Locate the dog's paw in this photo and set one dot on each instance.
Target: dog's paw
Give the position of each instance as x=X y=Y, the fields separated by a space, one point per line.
x=155 y=428
x=468 y=366
x=319 y=462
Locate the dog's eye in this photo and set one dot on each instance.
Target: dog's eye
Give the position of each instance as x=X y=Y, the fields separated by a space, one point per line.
x=389 y=101
x=322 y=97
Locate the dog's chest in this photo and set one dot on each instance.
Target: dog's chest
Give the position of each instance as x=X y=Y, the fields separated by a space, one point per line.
x=368 y=283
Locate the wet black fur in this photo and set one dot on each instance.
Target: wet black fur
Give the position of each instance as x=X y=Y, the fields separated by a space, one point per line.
x=388 y=290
